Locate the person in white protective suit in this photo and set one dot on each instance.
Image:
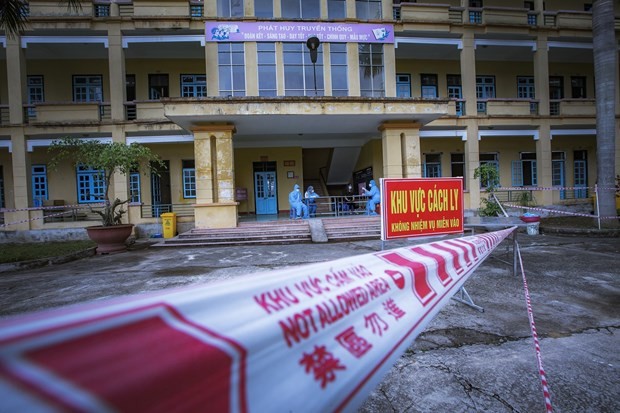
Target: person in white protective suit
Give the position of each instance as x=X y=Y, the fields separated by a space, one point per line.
x=296 y=202
x=310 y=196
x=374 y=198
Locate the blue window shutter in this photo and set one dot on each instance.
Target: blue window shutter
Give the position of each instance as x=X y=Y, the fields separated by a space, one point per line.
x=534 y=174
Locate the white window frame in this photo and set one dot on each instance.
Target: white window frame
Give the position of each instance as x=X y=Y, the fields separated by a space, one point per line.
x=135 y=195
x=373 y=50
x=337 y=90
x=304 y=63
x=230 y=8
x=266 y=58
x=227 y=64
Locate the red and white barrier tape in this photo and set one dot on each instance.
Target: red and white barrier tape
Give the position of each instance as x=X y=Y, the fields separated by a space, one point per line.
x=314 y=338
x=35 y=219
x=48 y=208
x=530 y=314
x=59 y=214
x=553 y=188
x=555 y=211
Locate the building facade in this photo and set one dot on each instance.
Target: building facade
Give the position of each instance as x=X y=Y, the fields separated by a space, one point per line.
x=226 y=92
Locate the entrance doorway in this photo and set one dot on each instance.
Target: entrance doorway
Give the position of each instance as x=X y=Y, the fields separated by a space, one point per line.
x=161 y=199
x=265 y=188
x=580 y=166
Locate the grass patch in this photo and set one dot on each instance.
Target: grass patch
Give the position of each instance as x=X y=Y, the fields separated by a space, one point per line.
x=33 y=251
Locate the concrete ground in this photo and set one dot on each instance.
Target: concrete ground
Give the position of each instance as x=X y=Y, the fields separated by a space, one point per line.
x=465 y=361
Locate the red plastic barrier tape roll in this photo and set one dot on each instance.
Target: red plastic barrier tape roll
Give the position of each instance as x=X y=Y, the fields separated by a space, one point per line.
x=315 y=338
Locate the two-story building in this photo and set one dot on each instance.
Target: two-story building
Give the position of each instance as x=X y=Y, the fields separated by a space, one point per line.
x=229 y=95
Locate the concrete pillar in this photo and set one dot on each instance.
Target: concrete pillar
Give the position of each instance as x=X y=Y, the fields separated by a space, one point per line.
x=215 y=177
x=120 y=182
x=468 y=74
x=210 y=9
x=280 y=69
x=472 y=161
x=541 y=74
x=16 y=79
x=353 y=61
x=277 y=9
x=20 y=163
x=327 y=64
x=389 y=69
x=323 y=8
x=472 y=149
x=387 y=8
x=213 y=79
x=116 y=65
x=350 y=9
x=543 y=163
x=400 y=143
x=248 y=7
x=251 y=68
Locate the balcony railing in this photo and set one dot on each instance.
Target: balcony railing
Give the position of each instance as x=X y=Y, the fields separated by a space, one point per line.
x=568 y=19
x=125 y=9
x=427 y=13
x=130 y=111
x=4 y=115
x=54 y=112
x=507 y=107
x=103 y=8
x=155 y=211
x=572 y=107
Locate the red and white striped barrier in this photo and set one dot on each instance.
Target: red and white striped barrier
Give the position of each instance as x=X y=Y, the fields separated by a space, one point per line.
x=530 y=315
x=51 y=208
x=315 y=338
x=543 y=188
x=555 y=211
x=48 y=208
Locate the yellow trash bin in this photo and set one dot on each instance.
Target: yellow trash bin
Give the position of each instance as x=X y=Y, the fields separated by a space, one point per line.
x=169 y=222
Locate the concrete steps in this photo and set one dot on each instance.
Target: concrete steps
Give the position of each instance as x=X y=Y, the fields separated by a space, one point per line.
x=281 y=232
x=247 y=233
x=352 y=228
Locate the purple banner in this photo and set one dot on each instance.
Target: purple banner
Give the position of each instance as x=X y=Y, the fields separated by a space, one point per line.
x=299 y=32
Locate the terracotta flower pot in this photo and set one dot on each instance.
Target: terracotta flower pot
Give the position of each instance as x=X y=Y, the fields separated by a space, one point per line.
x=110 y=239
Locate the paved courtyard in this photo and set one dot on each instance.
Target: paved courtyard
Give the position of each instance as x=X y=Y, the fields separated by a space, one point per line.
x=465 y=361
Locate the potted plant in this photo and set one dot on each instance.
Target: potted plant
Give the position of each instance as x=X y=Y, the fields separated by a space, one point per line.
x=108 y=158
x=489 y=178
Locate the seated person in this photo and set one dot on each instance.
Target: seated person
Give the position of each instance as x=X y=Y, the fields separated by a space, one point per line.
x=374 y=198
x=294 y=199
x=310 y=196
x=349 y=200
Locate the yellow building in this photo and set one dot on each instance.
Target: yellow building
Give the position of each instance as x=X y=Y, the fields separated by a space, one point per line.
x=226 y=92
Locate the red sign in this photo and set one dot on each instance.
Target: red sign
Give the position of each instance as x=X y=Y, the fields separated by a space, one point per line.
x=413 y=207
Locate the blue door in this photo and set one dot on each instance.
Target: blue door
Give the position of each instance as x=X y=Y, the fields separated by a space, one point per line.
x=557 y=176
x=265 y=193
x=581 y=179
